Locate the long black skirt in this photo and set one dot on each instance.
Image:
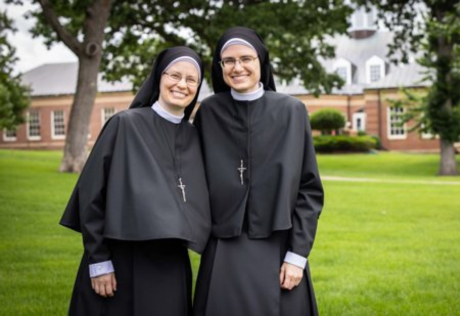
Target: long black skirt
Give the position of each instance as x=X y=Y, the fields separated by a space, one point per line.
x=240 y=276
x=153 y=278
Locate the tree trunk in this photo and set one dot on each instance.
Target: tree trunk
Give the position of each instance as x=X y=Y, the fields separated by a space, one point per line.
x=448 y=164
x=75 y=152
x=89 y=54
x=445 y=55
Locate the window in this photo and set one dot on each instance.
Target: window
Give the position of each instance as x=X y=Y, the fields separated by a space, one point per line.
x=362 y=19
x=396 y=127
x=375 y=73
x=342 y=72
x=426 y=135
x=107 y=114
x=58 y=124
x=33 y=129
x=344 y=69
x=375 y=69
x=9 y=135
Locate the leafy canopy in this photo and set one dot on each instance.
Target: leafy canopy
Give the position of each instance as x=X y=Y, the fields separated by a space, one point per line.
x=295 y=33
x=14 y=96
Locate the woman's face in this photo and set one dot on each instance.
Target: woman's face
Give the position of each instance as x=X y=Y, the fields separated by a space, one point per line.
x=178 y=87
x=243 y=77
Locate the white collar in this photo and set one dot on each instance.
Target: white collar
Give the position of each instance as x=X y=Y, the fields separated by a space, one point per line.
x=176 y=119
x=249 y=96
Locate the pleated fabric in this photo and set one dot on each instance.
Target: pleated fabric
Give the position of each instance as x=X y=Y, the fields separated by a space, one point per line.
x=153 y=278
x=240 y=276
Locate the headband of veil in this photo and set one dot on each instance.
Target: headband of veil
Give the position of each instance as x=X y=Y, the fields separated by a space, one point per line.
x=150 y=90
x=250 y=36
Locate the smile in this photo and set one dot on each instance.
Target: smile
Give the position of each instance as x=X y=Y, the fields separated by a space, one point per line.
x=178 y=94
x=239 y=77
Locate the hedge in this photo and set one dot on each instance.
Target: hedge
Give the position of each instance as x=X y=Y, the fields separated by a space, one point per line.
x=341 y=143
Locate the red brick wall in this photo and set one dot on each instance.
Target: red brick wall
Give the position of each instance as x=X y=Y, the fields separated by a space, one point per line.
x=369 y=101
x=45 y=106
x=413 y=140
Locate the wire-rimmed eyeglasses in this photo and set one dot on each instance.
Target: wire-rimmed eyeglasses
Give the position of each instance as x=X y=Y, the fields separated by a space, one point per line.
x=177 y=77
x=230 y=62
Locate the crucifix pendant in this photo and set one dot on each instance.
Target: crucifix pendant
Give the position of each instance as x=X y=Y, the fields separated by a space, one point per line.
x=182 y=187
x=241 y=170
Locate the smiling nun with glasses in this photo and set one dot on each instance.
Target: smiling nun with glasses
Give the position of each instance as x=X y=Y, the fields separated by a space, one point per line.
x=265 y=190
x=142 y=200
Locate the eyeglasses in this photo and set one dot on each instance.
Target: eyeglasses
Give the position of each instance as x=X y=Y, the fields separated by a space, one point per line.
x=230 y=62
x=177 y=77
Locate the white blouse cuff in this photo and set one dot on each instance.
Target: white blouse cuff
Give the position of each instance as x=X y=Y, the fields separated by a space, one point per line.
x=100 y=268
x=295 y=259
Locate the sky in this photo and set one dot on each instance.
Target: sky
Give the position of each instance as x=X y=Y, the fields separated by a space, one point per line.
x=31 y=51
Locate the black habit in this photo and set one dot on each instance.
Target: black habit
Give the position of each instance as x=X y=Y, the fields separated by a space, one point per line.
x=272 y=210
x=129 y=208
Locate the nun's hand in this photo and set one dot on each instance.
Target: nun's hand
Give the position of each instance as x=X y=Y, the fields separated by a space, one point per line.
x=290 y=276
x=105 y=285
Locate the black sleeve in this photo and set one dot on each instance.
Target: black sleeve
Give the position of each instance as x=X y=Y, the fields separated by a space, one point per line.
x=85 y=211
x=310 y=200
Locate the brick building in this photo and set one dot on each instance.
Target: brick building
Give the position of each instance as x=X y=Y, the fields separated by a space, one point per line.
x=361 y=60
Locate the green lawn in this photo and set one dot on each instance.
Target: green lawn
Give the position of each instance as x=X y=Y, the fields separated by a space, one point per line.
x=384 y=165
x=382 y=248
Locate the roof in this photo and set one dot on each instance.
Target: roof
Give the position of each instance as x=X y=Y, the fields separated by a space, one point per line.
x=61 y=79
x=410 y=75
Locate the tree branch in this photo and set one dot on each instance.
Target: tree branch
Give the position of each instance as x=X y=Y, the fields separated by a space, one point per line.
x=71 y=42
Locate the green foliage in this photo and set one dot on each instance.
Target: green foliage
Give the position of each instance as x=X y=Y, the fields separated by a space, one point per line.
x=378 y=143
x=327 y=120
x=341 y=143
x=14 y=97
x=294 y=31
x=432 y=28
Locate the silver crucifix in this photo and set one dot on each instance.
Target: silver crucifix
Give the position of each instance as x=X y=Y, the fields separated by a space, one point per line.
x=241 y=169
x=182 y=187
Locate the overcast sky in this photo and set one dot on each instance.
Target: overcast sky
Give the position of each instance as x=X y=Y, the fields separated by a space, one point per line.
x=31 y=51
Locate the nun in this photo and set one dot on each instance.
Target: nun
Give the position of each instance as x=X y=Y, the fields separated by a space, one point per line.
x=265 y=190
x=141 y=200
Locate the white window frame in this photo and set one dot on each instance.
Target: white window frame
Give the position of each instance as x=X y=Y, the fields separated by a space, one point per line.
x=368 y=18
x=424 y=135
x=29 y=137
x=7 y=138
x=375 y=61
x=103 y=120
x=427 y=135
x=53 y=131
x=342 y=62
x=356 y=116
x=404 y=126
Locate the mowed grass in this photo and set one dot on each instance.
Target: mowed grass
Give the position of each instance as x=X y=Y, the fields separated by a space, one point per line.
x=384 y=165
x=381 y=248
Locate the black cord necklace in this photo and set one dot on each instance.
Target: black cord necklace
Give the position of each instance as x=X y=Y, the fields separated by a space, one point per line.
x=176 y=162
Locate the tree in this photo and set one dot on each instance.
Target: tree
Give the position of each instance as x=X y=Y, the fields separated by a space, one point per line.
x=433 y=28
x=14 y=97
x=120 y=38
x=327 y=120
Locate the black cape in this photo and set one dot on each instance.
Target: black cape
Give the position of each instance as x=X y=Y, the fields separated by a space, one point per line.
x=282 y=189
x=128 y=187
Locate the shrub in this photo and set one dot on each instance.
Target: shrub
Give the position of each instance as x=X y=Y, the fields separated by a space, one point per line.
x=378 y=144
x=330 y=144
x=327 y=120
